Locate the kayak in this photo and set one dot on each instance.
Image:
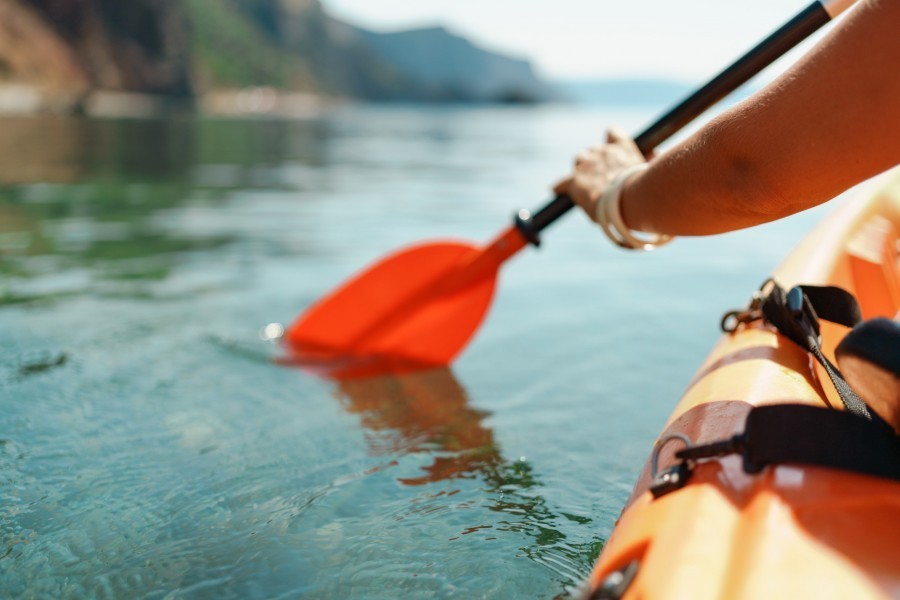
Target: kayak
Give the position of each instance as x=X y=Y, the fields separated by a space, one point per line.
x=792 y=530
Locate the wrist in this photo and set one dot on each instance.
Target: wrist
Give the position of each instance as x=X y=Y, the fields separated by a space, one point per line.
x=609 y=215
x=629 y=205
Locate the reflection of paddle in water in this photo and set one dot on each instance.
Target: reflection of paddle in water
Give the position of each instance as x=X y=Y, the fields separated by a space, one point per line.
x=428 y=411
x=407 y=410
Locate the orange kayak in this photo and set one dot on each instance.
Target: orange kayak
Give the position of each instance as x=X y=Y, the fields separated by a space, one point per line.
x=791 y=531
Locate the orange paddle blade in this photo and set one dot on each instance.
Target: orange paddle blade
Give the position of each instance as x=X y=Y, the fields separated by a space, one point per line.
x=417 y=306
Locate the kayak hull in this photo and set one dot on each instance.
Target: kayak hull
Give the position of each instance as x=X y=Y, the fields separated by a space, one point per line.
x=792 y=531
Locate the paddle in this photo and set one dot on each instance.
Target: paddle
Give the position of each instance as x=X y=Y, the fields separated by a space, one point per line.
x=419 y=306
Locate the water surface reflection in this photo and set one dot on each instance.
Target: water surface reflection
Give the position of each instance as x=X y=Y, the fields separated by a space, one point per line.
x=94 y=206
x=429 y=412
x=165 y=464
x=52 y=149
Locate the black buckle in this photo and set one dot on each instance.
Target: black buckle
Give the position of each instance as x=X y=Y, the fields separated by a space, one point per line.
x=676 y=476
x=673 y=478
x=803 y=312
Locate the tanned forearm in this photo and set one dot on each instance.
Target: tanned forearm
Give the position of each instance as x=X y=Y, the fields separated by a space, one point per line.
x=828 y=123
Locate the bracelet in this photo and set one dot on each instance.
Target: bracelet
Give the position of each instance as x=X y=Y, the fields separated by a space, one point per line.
x=609 y=216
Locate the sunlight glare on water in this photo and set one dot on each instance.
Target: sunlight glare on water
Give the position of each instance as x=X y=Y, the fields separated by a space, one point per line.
x=153 y=445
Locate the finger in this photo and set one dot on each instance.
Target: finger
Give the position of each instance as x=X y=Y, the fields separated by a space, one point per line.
x=618 y=157
x=616 y=134
x=584 y=158
x=562 y=187
x=578 y=193
x=585 y=166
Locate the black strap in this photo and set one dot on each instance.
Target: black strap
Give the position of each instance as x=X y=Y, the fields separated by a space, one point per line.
x=804 y=434
x=797 y=433
x=795 y=314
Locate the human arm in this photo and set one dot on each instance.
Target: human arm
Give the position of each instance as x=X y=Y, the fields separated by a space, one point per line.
x=828 y=123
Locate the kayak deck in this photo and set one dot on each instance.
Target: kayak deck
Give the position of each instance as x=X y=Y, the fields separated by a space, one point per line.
x=792 y=531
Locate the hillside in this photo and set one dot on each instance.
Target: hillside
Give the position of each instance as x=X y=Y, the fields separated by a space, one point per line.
x=449 y=66
x=72 y=46
x=184 y=48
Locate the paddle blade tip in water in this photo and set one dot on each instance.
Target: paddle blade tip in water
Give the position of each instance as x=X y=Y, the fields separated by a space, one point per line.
x=417 y=306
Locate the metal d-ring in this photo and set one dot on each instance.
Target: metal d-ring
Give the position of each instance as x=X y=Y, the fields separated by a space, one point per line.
x=731 y=320
x=735 y=318
x=654 y=458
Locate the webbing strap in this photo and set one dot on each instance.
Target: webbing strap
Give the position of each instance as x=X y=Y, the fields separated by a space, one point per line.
x=795 y=314
x=797 y=433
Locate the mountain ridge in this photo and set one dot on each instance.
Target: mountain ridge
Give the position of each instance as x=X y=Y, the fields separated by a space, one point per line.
x=182 y=49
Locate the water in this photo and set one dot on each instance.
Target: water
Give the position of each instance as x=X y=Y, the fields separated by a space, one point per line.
x=150 y=446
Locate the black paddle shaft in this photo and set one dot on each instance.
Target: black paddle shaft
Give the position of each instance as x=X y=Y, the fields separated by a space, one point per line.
x=765 y=53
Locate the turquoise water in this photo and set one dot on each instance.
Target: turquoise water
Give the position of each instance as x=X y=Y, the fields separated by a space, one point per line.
x=151 y=446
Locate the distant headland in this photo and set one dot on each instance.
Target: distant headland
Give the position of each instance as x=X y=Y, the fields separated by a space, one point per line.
x=234 y=56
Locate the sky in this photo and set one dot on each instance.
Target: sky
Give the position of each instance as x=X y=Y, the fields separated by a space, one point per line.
x=585 y=39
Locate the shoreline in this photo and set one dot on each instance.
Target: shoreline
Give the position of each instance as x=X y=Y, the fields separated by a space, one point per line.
x=22 y=100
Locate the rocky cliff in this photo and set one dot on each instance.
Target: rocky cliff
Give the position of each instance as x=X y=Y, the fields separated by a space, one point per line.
x=74 y=45
x=180 y=48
